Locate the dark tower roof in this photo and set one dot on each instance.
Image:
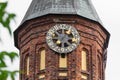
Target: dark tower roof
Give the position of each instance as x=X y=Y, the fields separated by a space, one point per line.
x=83 y=8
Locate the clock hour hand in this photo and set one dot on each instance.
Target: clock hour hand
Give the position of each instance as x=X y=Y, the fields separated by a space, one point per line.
x=57 y=33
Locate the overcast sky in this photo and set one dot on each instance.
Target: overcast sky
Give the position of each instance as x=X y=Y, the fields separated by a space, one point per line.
x=109 y=13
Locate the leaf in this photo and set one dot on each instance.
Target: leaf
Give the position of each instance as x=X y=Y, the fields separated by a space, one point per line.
x=3 y=6
x=2 y=10
x=11 y=55
x=12 y=16
x=3 y=54
x=2 y=63
x=13 y=74
x=1 y=16
x=6 y=21
x=4 y=74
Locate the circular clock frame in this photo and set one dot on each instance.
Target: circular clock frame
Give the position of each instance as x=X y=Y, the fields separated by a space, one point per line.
x=62 y=38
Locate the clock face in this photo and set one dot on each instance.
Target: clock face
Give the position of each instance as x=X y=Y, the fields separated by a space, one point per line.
x=62 y=38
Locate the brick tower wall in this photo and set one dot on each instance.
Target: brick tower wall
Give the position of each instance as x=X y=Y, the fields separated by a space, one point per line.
x=31 y=40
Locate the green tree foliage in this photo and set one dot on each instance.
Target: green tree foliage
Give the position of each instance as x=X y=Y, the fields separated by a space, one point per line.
x=5 y=73
x=5 y=19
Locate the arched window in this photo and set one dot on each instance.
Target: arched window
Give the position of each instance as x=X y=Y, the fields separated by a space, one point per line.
x=84 y=65
x=42 y=60
x=84 y=60
x=27 y=64
x=42 y=63
x=63 y=64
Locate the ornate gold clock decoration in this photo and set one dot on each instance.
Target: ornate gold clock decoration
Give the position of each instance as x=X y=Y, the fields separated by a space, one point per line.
x=62 y=38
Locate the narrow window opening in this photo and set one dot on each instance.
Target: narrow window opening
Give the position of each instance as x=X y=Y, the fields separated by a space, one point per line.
x=27 y=65
x=84 y=61
x=63 y=61
x=42 y=60
x=84 y=67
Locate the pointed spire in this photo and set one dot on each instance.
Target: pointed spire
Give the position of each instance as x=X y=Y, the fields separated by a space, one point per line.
x=83 y=8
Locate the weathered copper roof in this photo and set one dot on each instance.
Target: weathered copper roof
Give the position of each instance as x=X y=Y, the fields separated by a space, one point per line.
x=83 y=8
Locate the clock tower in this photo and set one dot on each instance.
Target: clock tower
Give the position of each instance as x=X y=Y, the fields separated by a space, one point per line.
x=62 y=40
